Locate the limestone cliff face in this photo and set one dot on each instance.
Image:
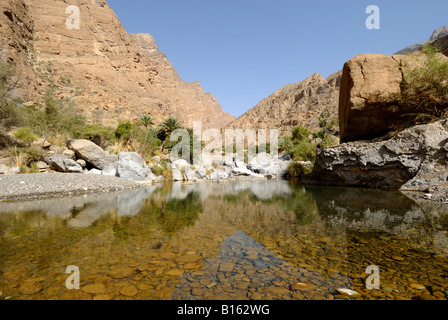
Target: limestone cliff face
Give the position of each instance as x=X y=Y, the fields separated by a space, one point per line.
x=297 y=104
x=16 y=41
x=107 y=72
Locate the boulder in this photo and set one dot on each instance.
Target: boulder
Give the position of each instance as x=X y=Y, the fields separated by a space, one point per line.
x=177 y=175
x=246 y=172
x=266 y=164
x=44 y=144
x=82 y=163
x=62 y=163
x=367 y=108
x=70 y=154
x=93 y=154
x=407 y=161
x=368 y=101
x=181 y=164
x=201 y=173
x=94 y=171
x=5 y=169
x=132 y=166
x=218 y=174
x=43 y=166
x=190 y=174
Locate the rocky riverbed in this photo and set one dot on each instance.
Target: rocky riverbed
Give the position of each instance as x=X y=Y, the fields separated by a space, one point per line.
x=43 y=185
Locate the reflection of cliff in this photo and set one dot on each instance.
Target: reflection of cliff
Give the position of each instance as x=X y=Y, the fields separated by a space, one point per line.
x=389 y=212
x=386 y=211
x=256 y=207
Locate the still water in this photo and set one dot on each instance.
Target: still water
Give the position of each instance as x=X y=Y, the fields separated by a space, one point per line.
x=236 y=240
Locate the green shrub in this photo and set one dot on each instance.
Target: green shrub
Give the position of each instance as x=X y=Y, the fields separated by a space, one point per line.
x=123 y=131
x=300 y=134
x=285 y=144
x=25 y=134
x=147 y=139
x=157 y=170
x=303 y=151
x=11 y=115
x=424 y=89
x=298 y=170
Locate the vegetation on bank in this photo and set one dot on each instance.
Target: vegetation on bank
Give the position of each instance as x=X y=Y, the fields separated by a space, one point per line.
x=55 y=120
x=424 y=88
x=302 y=144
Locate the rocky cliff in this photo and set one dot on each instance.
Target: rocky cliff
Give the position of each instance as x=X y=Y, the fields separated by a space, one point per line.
x=413 y=159
x=297 y=104
x=108 y=73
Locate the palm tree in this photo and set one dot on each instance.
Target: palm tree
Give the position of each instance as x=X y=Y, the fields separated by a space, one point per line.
x=167 y=127
x=146 y=121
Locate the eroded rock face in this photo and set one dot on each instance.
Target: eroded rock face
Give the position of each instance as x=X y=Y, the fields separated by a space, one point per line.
x=401 y=162
x=370 y=89
x=107 y=72
x=367 y=108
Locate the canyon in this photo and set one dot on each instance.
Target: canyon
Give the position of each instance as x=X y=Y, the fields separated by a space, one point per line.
x=106 y=72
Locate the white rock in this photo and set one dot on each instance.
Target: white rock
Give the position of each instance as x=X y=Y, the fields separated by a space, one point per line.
x=177 y=175
x=181 y=164
x=94 y=171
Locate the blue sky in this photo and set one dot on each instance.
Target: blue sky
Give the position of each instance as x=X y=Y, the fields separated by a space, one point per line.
x=244 y=50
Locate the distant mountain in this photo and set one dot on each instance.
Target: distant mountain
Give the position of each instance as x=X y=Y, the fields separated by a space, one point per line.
x=437 y=34
x=297 y=104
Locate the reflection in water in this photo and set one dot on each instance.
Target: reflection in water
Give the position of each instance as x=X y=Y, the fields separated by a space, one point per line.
x=244 y=268
x=235 y=240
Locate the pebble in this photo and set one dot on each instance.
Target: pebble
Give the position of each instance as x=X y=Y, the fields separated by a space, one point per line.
x=94 y=288
x=417 y=286
x=129 y=290
x=201 y=261
x=121 y=273
x=348 y=292
x=31 y=286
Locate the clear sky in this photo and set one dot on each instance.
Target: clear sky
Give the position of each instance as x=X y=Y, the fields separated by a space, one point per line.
x=242 y=51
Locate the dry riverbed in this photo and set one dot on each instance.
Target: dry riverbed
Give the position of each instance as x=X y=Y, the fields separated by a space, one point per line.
x=44 y=185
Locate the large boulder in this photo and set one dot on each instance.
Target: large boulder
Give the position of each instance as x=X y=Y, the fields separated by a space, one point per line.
x=267 y=164
x=190 y=174
x=367 y=107
x=62 y=163
x=132 y=166
x=219 y=174
x=408 y=160
x=93 y=154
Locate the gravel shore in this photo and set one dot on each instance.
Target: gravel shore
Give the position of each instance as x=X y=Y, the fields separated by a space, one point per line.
x=45 y=185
